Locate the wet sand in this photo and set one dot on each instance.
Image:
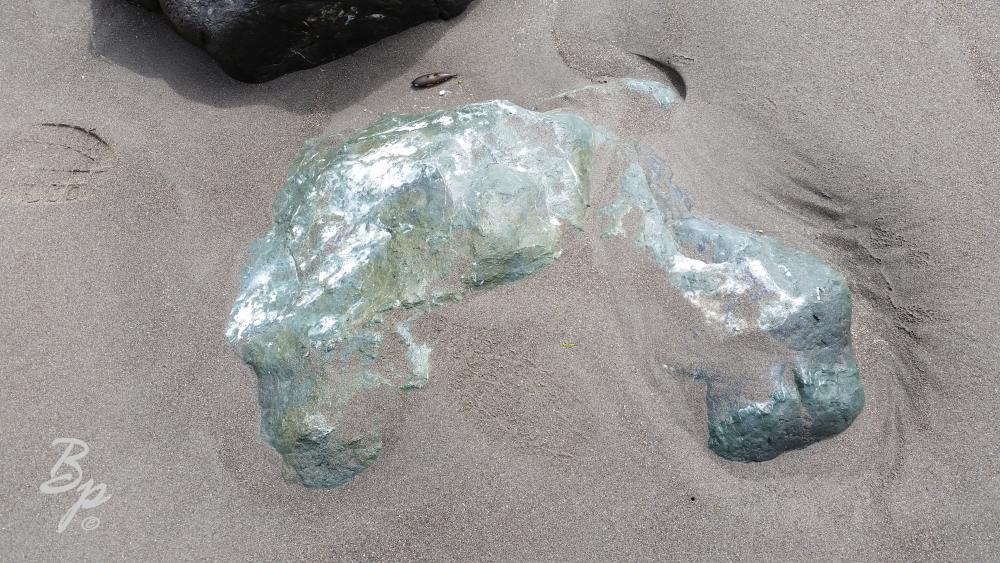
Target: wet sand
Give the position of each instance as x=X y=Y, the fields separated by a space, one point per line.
x=864 y=134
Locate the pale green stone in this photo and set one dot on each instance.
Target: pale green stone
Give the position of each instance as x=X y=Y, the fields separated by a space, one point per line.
x=414 y=211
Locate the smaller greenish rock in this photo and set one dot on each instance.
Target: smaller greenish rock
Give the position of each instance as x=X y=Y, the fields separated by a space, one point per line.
x=798 y=300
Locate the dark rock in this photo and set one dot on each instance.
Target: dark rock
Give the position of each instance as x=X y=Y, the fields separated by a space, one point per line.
x=258 y=40
x=153 y=5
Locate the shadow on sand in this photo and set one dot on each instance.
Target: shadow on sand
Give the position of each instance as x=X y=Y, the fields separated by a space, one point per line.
x=144 y=42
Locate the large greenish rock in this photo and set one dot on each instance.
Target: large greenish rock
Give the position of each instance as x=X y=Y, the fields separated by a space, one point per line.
x=410 y=213
x=413 y=212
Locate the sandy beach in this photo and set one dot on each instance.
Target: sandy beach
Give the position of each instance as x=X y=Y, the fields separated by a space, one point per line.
x=867 y=134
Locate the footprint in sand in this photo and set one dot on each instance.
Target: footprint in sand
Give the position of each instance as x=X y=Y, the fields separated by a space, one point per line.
x=54 y=163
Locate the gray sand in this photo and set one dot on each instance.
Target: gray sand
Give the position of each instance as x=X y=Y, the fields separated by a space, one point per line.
x=864 y=132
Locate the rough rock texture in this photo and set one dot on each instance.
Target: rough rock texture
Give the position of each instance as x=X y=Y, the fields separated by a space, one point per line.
x=258 y=40
x=414 y=212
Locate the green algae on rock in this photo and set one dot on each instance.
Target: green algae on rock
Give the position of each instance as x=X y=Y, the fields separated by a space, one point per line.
x=413 y=212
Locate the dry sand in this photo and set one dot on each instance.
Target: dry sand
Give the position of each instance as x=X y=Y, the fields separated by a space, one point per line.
x=864 y=132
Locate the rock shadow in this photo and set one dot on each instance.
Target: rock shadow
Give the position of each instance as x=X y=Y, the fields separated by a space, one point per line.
x=144 y=42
